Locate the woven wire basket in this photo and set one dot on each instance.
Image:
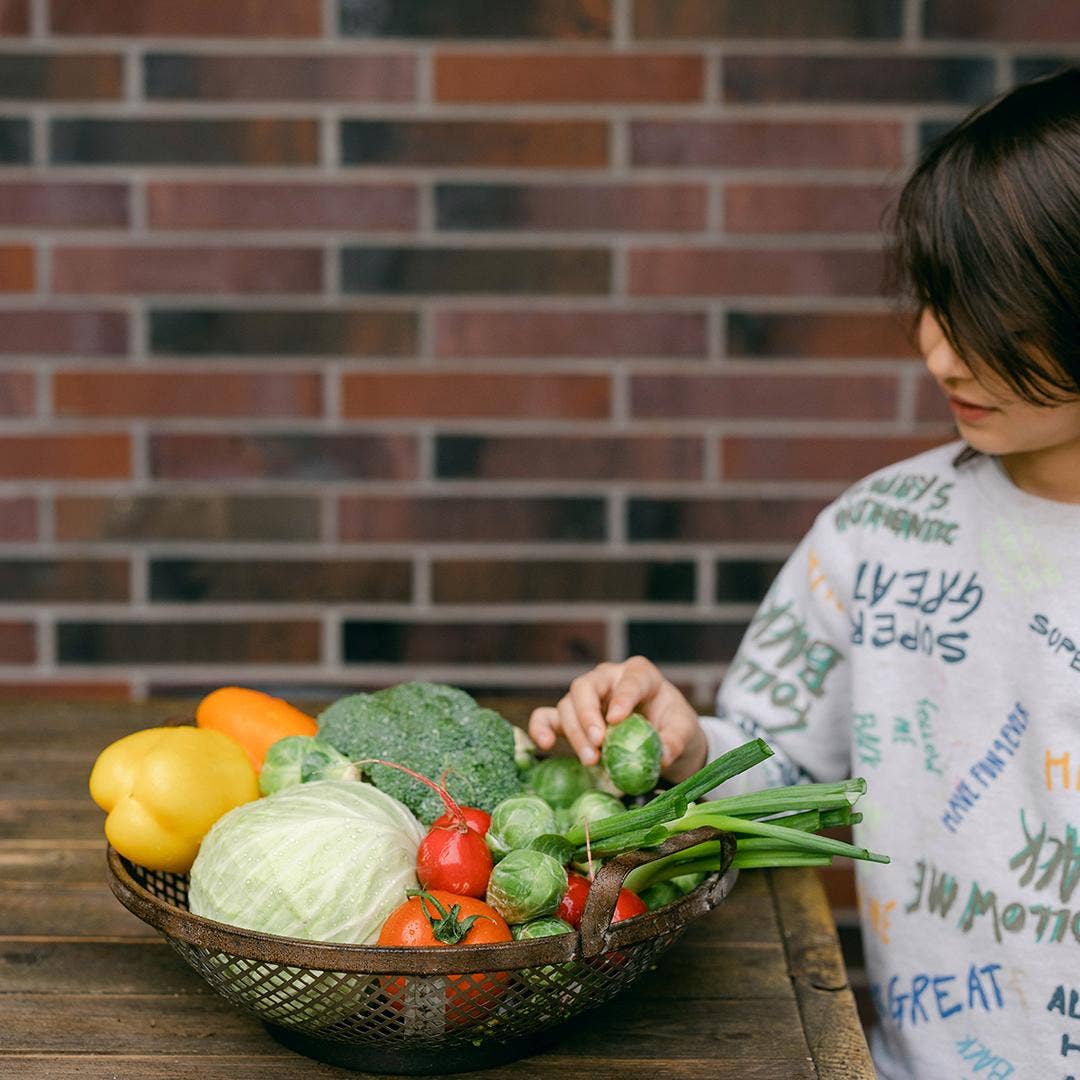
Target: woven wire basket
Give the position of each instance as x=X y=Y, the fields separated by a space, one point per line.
x=424 y=1010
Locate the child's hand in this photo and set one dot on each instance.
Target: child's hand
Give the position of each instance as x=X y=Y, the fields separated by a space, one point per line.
x=609 y=694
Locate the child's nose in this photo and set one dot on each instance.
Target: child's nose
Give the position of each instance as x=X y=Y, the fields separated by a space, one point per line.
x=944 y=363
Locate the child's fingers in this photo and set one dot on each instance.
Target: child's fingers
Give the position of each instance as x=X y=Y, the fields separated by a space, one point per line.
x=638 y=682
x=587 y=693
x=575 y=734
x=544 y=727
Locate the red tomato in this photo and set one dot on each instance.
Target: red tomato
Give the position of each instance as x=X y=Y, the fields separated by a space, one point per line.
x=572 y=906
x=477 y=819
x=454 y=860
x=628 y=905
x=441 y=918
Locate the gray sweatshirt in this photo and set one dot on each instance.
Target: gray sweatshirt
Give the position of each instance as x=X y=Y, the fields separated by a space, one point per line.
x=926 y=635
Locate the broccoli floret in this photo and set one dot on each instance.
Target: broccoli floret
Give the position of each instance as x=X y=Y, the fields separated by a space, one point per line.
x=433 y=729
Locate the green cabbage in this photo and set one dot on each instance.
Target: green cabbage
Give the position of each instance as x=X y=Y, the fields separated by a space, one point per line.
x=324 y=861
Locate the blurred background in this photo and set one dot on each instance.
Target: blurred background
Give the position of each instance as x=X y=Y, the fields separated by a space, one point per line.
x=349 y=342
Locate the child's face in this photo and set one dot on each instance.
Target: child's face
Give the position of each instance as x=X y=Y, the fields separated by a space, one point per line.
x=989 y=413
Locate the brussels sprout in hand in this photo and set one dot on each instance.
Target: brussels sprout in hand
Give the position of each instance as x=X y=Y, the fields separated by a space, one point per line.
x=559 y=781
x=525 y=885
x=631 y=755
x=517 y=821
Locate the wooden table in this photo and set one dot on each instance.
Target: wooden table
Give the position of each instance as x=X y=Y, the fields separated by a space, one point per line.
x=755 y=991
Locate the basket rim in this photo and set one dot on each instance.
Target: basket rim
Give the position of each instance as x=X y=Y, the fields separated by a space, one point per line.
x=179 y=924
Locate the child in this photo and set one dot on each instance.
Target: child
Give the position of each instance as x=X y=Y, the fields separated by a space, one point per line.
x=926 y=632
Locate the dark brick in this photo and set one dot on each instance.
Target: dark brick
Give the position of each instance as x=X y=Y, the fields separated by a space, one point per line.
x=280 y=581
x=544 y=77
x=18 y=393
x=60 y=580
x=577 y=271
x=464 y=519
x=715 y=520
x=61 y=77
x=857 y=78
x=838 y=144
x=349 y=207
x=102 y=456
x=744 y=581
x=696 y=19
x=64 y=333
x=26 y=204
x=684 y=642
x=531 y=332
x=14 y=18
x=184 y=142
x=386 y=642
x=563 y=581
x=836 y=458
x=192 y=18
x=1001 y=20
x=520 y=457
x=219 y=518
x=174 y=642
x=509 y=143
x=18 y=518
x=577 y=207
x=559 y=19
x=765 y=396
x=18 y=643
x=1026 y=68
x=827 y=335
x=283 y=333
x=300 y=457
x=14 y=141
x=248 y=77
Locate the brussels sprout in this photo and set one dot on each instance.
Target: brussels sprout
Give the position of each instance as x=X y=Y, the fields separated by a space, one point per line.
x=593 y=806
x=660 y=894
x=524 y=750
x=550 y=975
x=545 y=926
x=631 y=755
x=282 y=763
x=516 y=821
x=602 y=782
x=526 y=884
x=688 y=882
x=559 y=781
x=323 y=762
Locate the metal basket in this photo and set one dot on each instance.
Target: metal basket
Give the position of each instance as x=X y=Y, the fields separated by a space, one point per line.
x=424 y=1010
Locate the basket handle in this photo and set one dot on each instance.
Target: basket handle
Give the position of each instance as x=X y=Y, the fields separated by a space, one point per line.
x=596 y=922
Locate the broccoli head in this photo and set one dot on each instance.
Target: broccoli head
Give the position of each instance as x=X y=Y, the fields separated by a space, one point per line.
x=436 y=730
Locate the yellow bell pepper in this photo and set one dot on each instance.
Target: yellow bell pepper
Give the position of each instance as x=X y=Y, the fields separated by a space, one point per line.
x=164 y=787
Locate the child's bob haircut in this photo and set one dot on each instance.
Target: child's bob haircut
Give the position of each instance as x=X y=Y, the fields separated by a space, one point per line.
x=987 y=237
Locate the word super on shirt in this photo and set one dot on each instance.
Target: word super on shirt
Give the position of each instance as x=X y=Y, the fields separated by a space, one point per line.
x=926 y=635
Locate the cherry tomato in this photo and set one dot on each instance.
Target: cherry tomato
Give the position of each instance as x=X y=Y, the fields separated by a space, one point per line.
x=477 y=819
x=628 y=905
x=454 y=859
x=572 y=906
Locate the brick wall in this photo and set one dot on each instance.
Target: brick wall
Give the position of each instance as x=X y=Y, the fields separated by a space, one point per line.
x=342 y=343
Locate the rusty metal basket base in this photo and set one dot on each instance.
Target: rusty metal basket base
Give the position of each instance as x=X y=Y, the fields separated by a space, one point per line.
x=415 y=1061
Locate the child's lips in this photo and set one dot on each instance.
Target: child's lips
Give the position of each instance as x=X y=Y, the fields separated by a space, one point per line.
x=969 y=411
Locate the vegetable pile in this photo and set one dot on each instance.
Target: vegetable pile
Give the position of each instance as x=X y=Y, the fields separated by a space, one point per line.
x=412 y=816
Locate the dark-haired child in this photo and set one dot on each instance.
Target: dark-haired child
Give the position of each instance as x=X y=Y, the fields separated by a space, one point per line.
x=926 y=632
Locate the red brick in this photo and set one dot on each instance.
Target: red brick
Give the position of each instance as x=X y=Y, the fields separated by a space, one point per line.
x=192 y=18
x=99 y=456
x=522 y=457
x=16 y=268
x=18 y=644
x=812 y=334
x=696 y=19
x=734 y=272
x=63 y=205
x=1002 y=20
x=805 y=208
x=637 y=77
x=930 y=405
x=185 y=393
x=348 y=207
x=475 y=394
x=58 y=689
x=14 y=18
x=147 y=270
x=17 y=393
x=783 y=396
x=62 y=77
x=531 y=332
x=853 y=144
x=816 y=458
x=18 y=519
x=578 y=207
x=519 y=144
x=64 y=333
x=246 y=77
x=307 y=457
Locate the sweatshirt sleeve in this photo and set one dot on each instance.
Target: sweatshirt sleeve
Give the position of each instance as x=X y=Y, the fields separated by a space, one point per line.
x=790 y=681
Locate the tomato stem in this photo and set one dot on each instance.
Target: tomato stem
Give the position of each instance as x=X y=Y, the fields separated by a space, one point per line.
x=449 y=927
